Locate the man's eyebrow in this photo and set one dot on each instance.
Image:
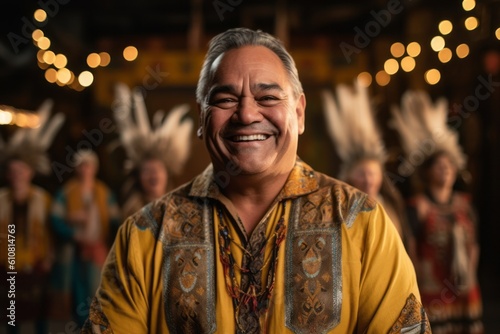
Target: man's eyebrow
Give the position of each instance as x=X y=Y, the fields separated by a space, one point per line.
x=232 y=89
x=220 y=89
x=268 y=86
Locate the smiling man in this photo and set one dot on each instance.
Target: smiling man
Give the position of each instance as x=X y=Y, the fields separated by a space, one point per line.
x=275 y=248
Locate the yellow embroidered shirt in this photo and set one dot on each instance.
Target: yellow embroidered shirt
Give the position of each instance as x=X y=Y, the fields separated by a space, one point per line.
x=341 y=268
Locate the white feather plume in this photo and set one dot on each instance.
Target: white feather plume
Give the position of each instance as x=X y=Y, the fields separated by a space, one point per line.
x=421 y=122
x=351 y=125
x=167 y=138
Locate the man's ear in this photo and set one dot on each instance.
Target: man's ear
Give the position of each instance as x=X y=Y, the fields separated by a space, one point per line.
x=199 y=132
x=300 y=109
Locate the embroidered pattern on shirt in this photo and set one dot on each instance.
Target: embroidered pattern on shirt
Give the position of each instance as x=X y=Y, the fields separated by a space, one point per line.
x=412 y=319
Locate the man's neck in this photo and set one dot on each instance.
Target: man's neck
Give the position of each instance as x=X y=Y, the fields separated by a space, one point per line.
x=252 y=196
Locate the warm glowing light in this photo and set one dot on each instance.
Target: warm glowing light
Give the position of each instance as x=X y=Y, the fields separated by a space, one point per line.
x=39 y=56
x=37 y=34
x=437 y=43
x=471 y=23
x=413 y=49
x=60 y=61
x=51 y=75
x=445 y=27
x=408 y=64
x=391 y=66
x=365 y=79
x=86 y=78
x=21 y=120
x=105 y=59
x=462 y=51
x=130 y=53
x=497 y=33
x=44 y=43
x=40 y=15
x=445 y=55
x=397 y=49
x=5 y=117
x=468 y=5
x=382 y=78
x=93 y=60
x=63 y=75
x=33 y=121
x=49 y=57
x=432 y=76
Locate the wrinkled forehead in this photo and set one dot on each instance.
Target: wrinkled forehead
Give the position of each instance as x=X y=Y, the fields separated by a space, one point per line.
x=246 y=59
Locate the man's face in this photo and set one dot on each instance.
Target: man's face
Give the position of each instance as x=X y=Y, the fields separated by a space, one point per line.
x=252 y=118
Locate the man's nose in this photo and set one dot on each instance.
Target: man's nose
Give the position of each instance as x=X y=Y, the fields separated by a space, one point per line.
x=248 y=111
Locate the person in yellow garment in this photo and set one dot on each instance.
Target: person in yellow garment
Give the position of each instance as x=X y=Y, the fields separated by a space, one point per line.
x=259 y=242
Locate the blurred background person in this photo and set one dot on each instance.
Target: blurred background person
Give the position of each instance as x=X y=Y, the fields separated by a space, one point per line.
x=24 y=213
x=443 y=218
x=153 y=151
x=355 y=135
x=83 y=215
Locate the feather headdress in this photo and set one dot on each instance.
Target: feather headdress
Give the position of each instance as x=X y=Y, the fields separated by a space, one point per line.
x=422 y=126
x=167 y=139
x=351 y=126
x=31 y=144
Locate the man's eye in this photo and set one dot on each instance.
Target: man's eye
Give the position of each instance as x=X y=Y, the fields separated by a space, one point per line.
x=224 y=103
x=268 y=100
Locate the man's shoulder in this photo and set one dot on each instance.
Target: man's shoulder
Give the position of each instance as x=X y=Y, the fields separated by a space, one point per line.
x=175 y=204
x=343 y=193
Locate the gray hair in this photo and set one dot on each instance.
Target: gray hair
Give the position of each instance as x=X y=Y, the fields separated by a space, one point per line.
x=237 y=38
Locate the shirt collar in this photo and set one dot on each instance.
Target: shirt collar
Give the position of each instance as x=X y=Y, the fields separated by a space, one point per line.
x=302 y=180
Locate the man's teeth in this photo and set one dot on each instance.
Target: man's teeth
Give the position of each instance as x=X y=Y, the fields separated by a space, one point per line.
x=250 y=138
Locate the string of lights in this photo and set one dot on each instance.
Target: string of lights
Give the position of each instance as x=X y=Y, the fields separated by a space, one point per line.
x=56 y=67
x=407 y=62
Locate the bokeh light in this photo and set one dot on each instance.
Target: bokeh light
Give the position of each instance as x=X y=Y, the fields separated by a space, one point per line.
x=40 y=15
x=468 y=5
x=391 y=66
x=471 y=23
x=462 y=50
x=365 y=79
x=413 y=49
x=445 y=27
x=130 y=53
x=43 y=43
x=60 y=61
x=437 y=43
x=93 y=60
x=51 y=75
x=49 y=57
x=408 y=64
x=63 y=75
x=382 y=78
x=105 y=59
x=445 y=55
x=432 y=76
x=397 y=49
x=86 y=78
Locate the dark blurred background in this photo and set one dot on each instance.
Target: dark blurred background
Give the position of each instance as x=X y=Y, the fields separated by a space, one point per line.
x=332 y=42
